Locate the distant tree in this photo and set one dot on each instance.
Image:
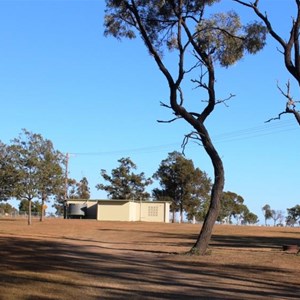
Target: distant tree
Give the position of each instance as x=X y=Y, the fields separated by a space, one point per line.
x=35 y=207
x=8 y=173
x=293 y=215
x=50 y=171
x=277 y=216
x=6 y=208
x=38 y=168
x=250 y=218
x=290 y=49
x=200 y=43
x=124 y=183
x=184 y=185
x=83 y=190
x=231 y=206
x=267 y=212
x=69 y=190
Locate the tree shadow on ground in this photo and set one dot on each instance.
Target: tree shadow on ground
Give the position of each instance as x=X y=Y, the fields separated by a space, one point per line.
x=39 y=269
x=255 y=242
x=236 y=241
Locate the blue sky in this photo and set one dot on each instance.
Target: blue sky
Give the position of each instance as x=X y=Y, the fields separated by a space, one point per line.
x=98 y=98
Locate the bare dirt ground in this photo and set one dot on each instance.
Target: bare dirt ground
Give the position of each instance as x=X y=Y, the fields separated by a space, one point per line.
x=86 y=259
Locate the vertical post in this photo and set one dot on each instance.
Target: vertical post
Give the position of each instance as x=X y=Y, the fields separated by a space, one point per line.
x=66 y=186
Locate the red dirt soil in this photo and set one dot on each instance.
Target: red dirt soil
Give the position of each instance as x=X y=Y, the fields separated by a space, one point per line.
x=86 y=259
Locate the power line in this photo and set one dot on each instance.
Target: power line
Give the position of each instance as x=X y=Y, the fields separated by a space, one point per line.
x=242 y=134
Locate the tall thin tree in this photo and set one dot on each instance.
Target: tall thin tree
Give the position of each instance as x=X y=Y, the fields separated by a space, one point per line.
x=181 y=26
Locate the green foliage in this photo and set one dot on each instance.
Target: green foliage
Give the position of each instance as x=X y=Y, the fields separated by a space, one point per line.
x=224 y=37
x=124 y=183
x=8 y=174
x=221 y=35
x=78 y=190
x=267 y=212
x=35 y=168
x=36 y=206
x=232 y=206
x=6 y=208
x=250 y=218
x=293 y=215
x=186 y=186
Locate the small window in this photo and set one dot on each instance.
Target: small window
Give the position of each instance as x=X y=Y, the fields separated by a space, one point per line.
x=152 y=211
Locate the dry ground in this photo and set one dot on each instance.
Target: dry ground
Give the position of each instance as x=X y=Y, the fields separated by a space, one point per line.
x=85 y=259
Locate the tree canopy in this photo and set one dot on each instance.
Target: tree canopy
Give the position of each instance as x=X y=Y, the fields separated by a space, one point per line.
x=124 y=183
x=8 y=174
x=293 y=216
x=187 y=187
x=232 y=206
x=36 y=168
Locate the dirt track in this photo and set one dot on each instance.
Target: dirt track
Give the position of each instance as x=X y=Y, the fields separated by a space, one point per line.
x=80 y=259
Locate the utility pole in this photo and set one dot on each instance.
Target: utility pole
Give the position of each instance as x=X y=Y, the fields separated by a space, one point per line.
x=66 y=186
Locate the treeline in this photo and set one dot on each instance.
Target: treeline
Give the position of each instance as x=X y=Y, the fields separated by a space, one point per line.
x=278 y=216
x=33 y=172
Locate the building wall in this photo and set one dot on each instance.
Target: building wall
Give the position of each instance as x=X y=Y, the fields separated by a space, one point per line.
x=113 y=210
x=125 y=210
x=152 y=212
x=116 y=210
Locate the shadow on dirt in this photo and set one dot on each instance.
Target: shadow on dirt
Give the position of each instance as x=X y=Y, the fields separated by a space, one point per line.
x=73 y=271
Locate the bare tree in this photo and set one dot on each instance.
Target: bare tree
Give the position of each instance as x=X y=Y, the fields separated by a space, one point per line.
x=290 y=52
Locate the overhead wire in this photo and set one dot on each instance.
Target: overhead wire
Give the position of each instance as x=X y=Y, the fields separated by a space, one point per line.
x=241 y=134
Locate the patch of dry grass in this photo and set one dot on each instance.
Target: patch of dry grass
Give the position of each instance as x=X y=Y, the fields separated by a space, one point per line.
x=85 y=259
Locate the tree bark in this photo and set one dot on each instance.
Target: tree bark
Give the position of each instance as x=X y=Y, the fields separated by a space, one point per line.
x=42 y=210
x=202 y=243
x=29 y=212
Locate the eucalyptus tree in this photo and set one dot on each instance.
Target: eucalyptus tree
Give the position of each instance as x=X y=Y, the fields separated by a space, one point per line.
x=83 y=189
x=232 y=205
x=8 y=174
x=293 y=215
x=6 y=208
x=277 y=216
x=38 y=167
x=267 y=212
x=250 y=218
x=124 y=183
x=289 y=48
x=199 y=42
x=184 y=185
x=50 y=170
x=77 y=190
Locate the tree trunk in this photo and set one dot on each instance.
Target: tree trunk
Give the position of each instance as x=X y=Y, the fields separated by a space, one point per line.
x=201 y=245
x=29 y=212
x=42 y=210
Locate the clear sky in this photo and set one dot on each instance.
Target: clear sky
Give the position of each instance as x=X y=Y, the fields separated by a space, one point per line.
x=98 y=98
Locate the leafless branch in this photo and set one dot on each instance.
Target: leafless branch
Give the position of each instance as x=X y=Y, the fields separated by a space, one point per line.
x=169 y=121
x=223 y=101
x=165 y=105
x=181 y=95
x=290 y=105
x=194 y=135
x=277 y=118
x=199 y=81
